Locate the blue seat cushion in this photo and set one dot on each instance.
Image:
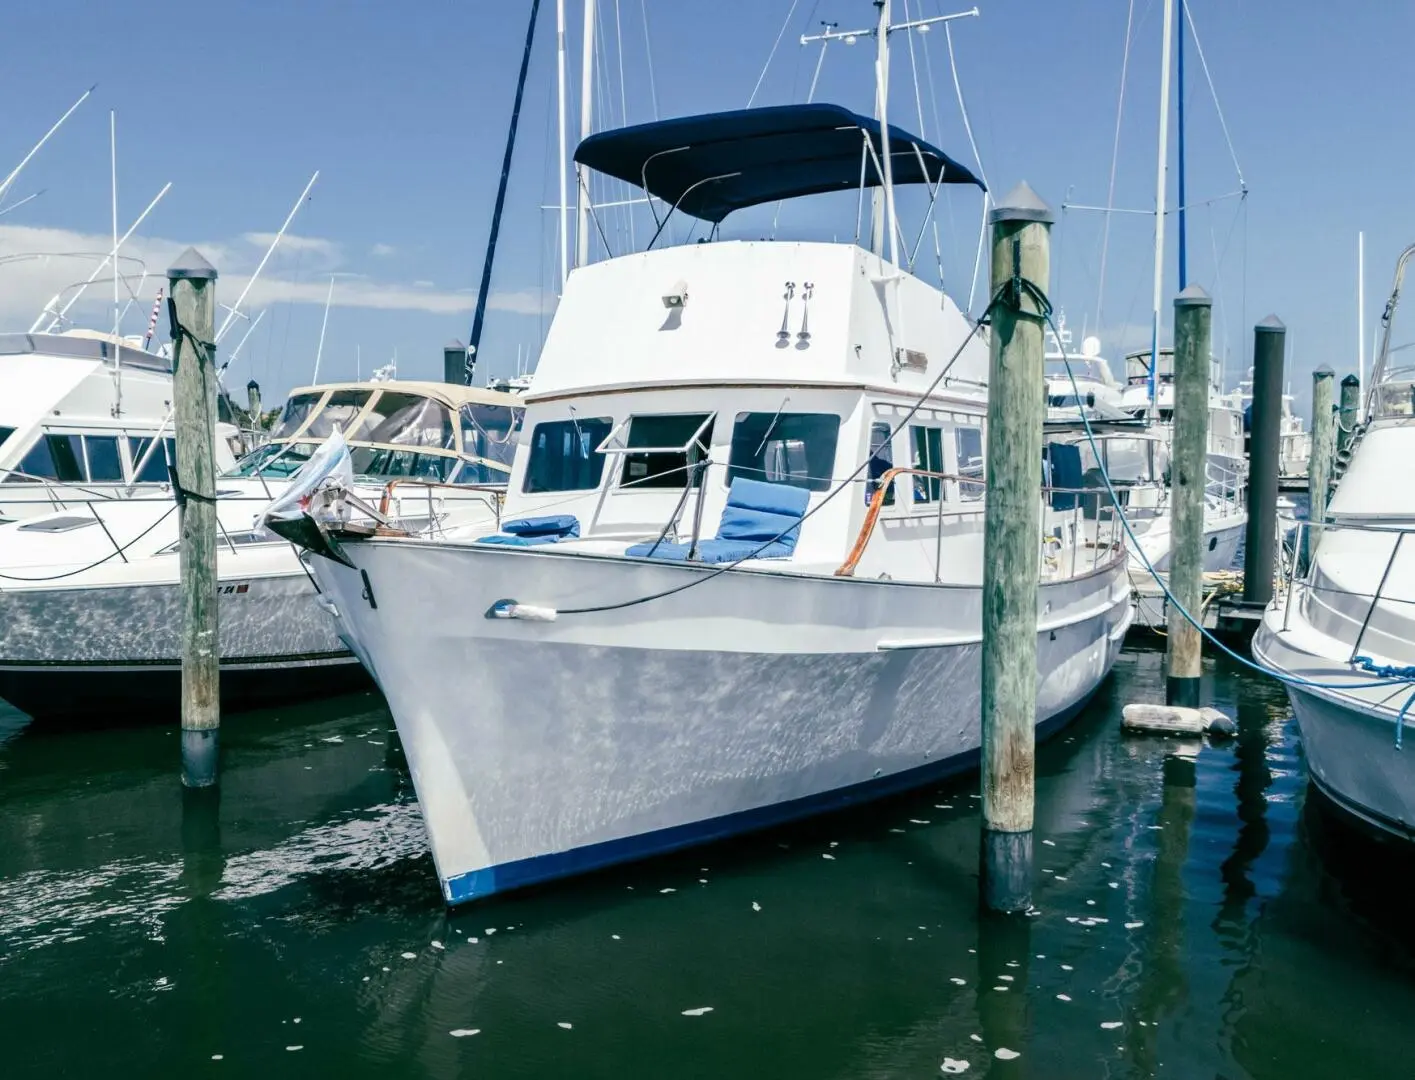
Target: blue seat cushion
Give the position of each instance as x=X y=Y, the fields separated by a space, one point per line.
x=758 y=511
x=712 y=551
x=560 y=526
x=528 y=532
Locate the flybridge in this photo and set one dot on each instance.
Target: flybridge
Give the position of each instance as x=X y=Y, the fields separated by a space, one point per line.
x=710 y=165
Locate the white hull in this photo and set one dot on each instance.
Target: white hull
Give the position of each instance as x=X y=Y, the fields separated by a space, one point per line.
x=1348 y=736
x=543 y=749
x=1222 y=536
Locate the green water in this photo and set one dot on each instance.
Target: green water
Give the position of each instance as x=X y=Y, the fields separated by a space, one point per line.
x=293 y=927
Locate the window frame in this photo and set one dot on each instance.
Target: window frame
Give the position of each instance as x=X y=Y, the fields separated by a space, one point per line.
x=812 y=483
x=623 y=450
x=560 y=425
x=934 y=460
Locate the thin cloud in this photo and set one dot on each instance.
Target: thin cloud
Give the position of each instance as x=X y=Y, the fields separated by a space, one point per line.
x=382 y=251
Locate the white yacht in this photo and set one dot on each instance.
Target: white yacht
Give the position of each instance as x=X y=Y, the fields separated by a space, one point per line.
x=740 y=567
x=1095 y=389
x=1226 y=446
x=1344 y=635
x=1294 y=440
x=80 y=413
x=89 y=595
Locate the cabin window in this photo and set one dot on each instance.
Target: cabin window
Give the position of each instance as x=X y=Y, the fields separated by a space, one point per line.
x=662 y=464
x=296 y=412
x=101 y=452
x=479 y=472
x=968 y=441
x=5 y=433
x=409 y=420
x=53 y=457
x=274 y=459
x=563 y=456
x=341 y=408
x=381 y=461
x=927 y=443
x=154 y=470
x=491 y=432
x=785 y=448
x=881 y=461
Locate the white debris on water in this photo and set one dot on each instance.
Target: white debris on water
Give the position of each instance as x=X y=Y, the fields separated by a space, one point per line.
x=1004 y=1054
x=1091 y=903
x=436 y=944
x=896 y=830
x=297 y=1020
x=701 y=1010
x=491 y=929
x=1067 y=967
x=217 y=1057
x=1049 y=843
x=473 y=940
x=1111 y=1025
x=954 y=1065
x=1062 y=997
x=835 y=843
x=959 y=982
x=332 y=739
x=462 y=1033
x=410 y=956
x=756 y=906
x=1113 y=884
x=294 y=1047
x=661 y=892
x=918 y=821
x=1106 y=865
x=564 y=1024
x=976 y=1038
x=1012 y=963
x=828 y=855
x=1060 y=878
x=702 y=881
x=614 y=936
x=1002 y=988
x=1133 y=925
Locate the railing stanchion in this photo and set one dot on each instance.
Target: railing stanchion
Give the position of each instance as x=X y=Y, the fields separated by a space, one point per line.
x=1394 y=551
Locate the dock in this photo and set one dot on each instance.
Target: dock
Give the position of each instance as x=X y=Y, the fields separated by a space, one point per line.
x=1223 y=609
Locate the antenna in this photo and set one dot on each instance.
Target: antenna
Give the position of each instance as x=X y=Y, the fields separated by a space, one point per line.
x=117 y=244
x=266 y=257
x=55 y=318
x=15 y=172
x=329 y=299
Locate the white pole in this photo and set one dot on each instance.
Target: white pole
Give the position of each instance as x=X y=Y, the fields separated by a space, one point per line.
x=1361 y=321
x=15 y=172
x=582 y=231
x=236 y=307
x=56 y=317
x=564 y=195
x=113 y=176
x=882 y=75
x=329 y=299
x=1161 y=176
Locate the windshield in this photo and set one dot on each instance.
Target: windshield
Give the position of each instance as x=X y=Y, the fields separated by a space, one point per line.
x=273 y=460
x=341 y=408
x=296 y=411
x=408 y=420
x=491 y=431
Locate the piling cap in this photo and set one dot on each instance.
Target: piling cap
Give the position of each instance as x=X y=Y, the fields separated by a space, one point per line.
x=1323 y=372
x=252 y=385
x=453 y=346
x=1271 y=325
x=1193 y=296
x=1021 y=204
x=191 y=265
x=1351 y=380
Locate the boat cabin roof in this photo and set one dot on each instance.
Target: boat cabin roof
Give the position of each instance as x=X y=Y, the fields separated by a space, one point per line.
x=712 y=164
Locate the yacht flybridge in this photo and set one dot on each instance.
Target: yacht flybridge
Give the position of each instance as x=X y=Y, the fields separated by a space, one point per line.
x=89 y=594
x=84 y=416
x=738 y=575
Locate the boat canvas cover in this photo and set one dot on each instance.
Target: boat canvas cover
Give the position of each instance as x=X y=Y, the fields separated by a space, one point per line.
x=713 y=164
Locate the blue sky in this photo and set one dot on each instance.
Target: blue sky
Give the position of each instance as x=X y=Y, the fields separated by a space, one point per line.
x=403 y=109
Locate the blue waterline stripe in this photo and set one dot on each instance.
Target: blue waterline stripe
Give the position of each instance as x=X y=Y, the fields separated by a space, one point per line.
x=479 y=884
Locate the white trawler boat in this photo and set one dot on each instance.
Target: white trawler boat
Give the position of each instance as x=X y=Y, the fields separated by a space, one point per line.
x=1345 y=634
x=79 y=415
x=718 y=600
x=1294 y=440
x=89 y=595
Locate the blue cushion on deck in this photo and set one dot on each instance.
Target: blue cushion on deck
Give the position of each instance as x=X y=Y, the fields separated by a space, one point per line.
x=561 y=526
x=755 y=513
x=528 y=532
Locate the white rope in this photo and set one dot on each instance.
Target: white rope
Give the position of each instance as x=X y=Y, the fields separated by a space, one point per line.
x=977 y=158
x=1114 y=158
x=1222 y=123
x=772 y=55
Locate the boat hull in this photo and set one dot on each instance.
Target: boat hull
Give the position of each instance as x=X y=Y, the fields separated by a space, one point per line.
x=116 y=649
x=545 y=749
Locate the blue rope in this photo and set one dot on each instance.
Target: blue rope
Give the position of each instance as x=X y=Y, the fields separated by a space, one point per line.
x=1406 y=676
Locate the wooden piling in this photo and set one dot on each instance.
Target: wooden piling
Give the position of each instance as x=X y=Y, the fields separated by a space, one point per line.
x=1348 y=416
x=1264 y=452
x=1323 y=452
x=1188 y=463
x=1021 y=251
x=192 y=282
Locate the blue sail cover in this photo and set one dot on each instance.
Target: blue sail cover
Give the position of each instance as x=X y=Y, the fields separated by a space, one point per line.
x=711 y=165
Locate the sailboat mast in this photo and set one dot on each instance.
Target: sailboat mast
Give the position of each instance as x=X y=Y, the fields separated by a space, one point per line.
x=479 y=315
x=582 y=230
x=1160 y=185
x=560 y=90
x=1179 y=106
